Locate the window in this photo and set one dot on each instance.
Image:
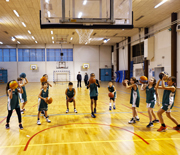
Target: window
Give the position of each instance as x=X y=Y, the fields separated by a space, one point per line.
x=31 y=54
x=138 y=50
x=7 y=55
x=55 y=55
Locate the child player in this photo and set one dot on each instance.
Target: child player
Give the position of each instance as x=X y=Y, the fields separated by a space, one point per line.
x=70 y=97
x=112 y=89
x=93 y=94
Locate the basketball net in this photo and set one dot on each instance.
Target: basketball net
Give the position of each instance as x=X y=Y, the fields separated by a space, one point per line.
x=84 y=35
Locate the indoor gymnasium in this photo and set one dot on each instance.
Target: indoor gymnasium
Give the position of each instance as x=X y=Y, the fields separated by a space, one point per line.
x=89 y=77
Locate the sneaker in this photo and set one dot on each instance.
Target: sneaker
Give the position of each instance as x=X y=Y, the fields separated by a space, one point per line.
x=132 y=121
x=93 y=116
x=67 y=110
x=75 y=110
x=137 y=119
x=7 y=126
x=20 y=126
x=95 y=110
x=42 y=112
x=109 y=107
x=176 y=128
x=162 y=129
x=24 y=109
x=38 y=122
x=155 y=121
x=150 y=125
x=114 y=107
x=45 y=116
x=22 y=112
x=47 y=120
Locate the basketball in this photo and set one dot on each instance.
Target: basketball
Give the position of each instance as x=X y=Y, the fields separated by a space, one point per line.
x=143 y=79
x=70 y=99
x=111 y=95
x=92 y=80
x=22 y=75
x=13 y=85
x=124 y=82
x=43 y=79
x=162 y=74
x=49 y=100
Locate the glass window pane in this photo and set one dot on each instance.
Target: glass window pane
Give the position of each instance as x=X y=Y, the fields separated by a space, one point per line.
x=32 y=54
x=6 y=55
x=1 y=59
x=26 y=56
x=58 y=57
x=20 y=55
x=12 y=54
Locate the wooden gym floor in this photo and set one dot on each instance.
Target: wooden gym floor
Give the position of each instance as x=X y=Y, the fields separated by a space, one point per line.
x=80 y=134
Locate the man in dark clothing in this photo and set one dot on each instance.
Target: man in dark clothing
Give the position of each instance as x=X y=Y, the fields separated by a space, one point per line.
x=79 y=78
x=86 y=79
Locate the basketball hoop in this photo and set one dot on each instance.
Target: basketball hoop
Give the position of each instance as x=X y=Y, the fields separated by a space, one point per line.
x=84 y=35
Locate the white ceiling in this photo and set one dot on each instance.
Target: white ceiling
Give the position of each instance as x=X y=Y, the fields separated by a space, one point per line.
x=29 y=14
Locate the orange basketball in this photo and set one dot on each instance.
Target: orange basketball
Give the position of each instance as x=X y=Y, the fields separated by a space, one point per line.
x=92 y=80
x=49 y=100
x=111 y=95
x=43 y=79
x=13 y=85
x=124 y=82
x=70 y=99
x=143 y=79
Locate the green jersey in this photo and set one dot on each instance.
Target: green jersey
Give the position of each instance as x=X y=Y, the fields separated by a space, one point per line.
x=43 y=105
x=135 y=97
x=168 y=97
x=150 y=95
x=112 y=89
x=94 y=89
x=14 y=102
x=71 y=93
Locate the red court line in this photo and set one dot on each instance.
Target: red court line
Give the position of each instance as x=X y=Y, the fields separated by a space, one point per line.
x=148 y=116
x=25 y=148
x=4 y=118
x=35 y=105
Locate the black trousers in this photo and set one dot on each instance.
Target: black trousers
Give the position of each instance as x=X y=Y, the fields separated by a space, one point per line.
x=86 y=82
x=10 y=113
x=79 y=83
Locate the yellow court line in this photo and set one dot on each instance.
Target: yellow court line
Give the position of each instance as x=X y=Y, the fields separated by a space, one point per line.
x=88 y=142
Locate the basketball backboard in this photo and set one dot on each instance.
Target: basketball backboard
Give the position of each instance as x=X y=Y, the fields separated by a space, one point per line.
x=86 y=14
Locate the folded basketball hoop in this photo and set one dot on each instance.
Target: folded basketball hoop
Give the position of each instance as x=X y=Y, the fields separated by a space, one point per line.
x=84 y=35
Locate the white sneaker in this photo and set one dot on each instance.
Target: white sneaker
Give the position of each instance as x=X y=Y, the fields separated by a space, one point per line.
x=67 y=110
x=47 y=120
x=38 y=122
x=22 y=112
x=75 y=110
x=132 y=121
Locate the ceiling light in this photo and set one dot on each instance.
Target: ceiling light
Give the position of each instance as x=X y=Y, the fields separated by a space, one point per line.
x=36 y=42
x=13 y=38
x=123 y=29
x=80 y=14
x=52 y=37
x=86 y=43
x=53 y=42
x=90 y=38
x=18 y=42
x=1 y=42
x=7 y=0
x=160 y=3
x=19 y=37
x=51 y=32
x=24 y=24
x=47 y=1
x=71 y=38
x=106 y=40
x=16 y=13
x=33 y=37
x=29 y=32
x=84 y=2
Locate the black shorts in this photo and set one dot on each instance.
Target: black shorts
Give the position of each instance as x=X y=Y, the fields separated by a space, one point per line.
x=94 y=97
x=113 y=99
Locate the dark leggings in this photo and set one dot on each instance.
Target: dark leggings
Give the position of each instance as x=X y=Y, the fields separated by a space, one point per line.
x=10 y=113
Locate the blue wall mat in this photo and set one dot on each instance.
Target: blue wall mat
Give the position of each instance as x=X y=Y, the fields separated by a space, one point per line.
x=106 y=74
x=118 y=76
x=131 y=69
x=3 y=76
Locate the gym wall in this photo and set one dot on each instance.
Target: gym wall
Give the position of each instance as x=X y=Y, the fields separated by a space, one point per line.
x=96 y=56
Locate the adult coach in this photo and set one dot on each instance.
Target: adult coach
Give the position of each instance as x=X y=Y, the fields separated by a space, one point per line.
x=79 y=78
x=86 y=79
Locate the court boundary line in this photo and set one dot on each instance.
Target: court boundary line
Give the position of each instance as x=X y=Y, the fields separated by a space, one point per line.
x=25 y=148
